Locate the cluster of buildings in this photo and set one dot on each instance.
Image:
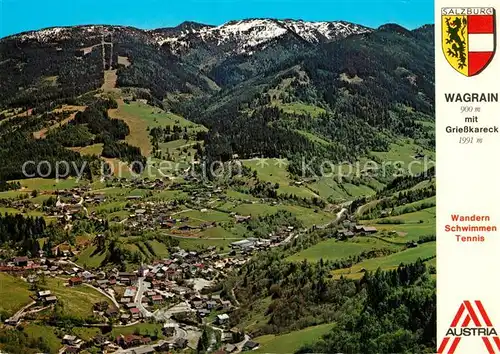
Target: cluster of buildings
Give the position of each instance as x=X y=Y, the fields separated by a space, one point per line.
x=351 y=229
x=139 y=183
x=280 y=237
x=149 y=216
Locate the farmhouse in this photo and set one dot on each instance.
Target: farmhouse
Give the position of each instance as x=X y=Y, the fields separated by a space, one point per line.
x=157 y=299
x=44 y=294
x=222 y=319
x=75 y=281
x=250 y=345
x=243 y=244
x=169 y=329
x=369 y=229
x=130 y=340
x=361 y=229
x=70 y=340
x=51 y=299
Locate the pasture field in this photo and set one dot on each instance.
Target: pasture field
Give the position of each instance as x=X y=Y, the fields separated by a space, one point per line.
x=274 y=171
x=194 y=244
x=357 y=191
x=424 y=216
x=329 y=188
x=207 y=216
x=403 y=233
x=406 y=227
x=389 y=262
x=47 y=184
x=399 y=209
x=231 y=193
x=218 y=232
x=95 y=149
x=139 y=117
x=34 y=332
x=89 y=258
x=14 y=294
x=314 y=138
x=291 y=342
x=85 y=333
x=12 y=194
x=308 y=216
x=404 y=152
x=159 y=248
x=417 y=204
x=141 y=328
x=300 y=108
x=334 y=250
x=78 y=300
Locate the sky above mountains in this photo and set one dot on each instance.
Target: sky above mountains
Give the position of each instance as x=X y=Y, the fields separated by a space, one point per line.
x=23 y=15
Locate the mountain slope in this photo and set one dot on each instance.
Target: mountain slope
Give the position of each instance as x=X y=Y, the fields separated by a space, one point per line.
x=366 y=90
x=263 y=87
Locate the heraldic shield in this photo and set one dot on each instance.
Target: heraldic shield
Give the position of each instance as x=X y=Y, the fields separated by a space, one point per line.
x=468 y=38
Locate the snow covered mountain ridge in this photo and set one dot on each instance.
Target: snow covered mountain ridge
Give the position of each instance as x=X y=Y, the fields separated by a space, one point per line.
x=239 y=36
x=247 y=34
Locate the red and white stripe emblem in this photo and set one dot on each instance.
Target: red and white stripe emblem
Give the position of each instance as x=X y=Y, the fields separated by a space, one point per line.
x=481 y=32
x=470 y=312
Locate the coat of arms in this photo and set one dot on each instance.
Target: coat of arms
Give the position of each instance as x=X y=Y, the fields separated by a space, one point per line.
x=468 y=38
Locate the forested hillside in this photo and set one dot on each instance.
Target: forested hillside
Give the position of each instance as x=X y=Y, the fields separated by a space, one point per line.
x=255 y=175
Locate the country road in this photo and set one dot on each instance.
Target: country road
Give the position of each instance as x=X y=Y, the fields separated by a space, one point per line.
x=20 y=313
x=141 y=288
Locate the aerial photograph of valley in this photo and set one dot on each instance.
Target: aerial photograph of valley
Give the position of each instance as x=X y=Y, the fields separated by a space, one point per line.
x=249 y=180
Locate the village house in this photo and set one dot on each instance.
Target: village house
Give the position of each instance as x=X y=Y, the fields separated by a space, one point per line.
x=344 y=233
x=124 y=318
x=211 y=305
x=250 y=345
x=131 y=340
x=169 y=329
x=229 y=348
x=75 y=281
x=242 y=219
x=135 y=312
x=101 y=306
x=127 y=278
x=103 y=284
x=125 y=300
x=43 y=294
x=157 y=299
x=112 y=312
x=203 y=313
x=70 y=340
x=222 y=319
x=130 y=292
x=50 y=299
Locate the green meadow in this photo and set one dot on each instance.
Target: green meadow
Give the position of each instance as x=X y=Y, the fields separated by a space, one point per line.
x=334 y=250
x=291 y=342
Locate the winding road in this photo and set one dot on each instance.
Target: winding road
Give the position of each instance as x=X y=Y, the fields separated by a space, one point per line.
x=141 y=288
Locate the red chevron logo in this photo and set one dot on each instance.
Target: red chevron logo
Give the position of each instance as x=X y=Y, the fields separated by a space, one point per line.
x=470 y=312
